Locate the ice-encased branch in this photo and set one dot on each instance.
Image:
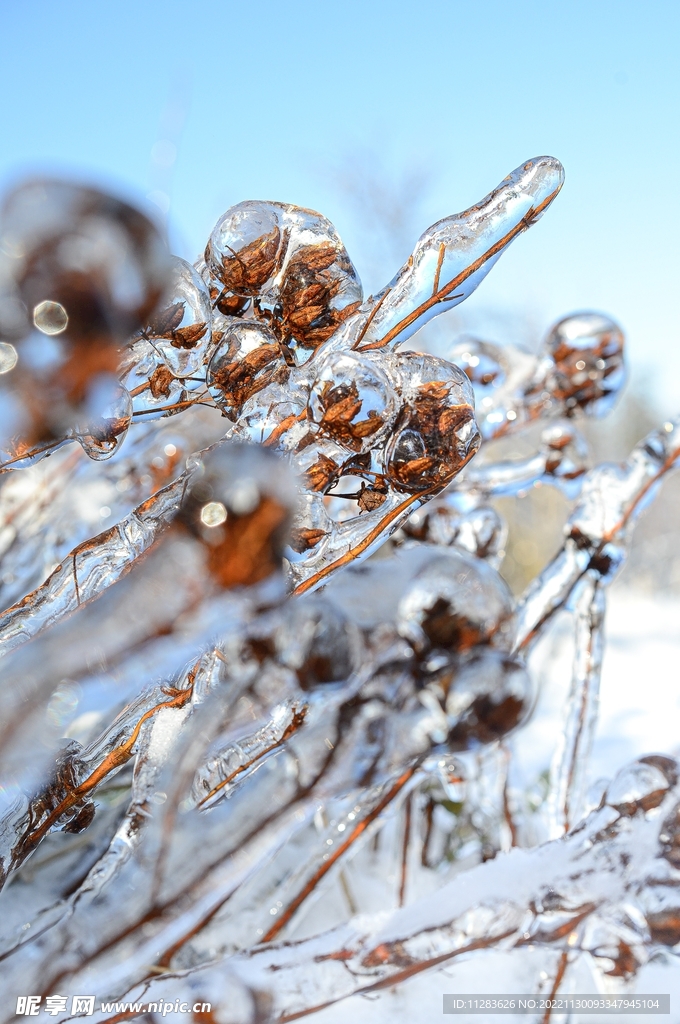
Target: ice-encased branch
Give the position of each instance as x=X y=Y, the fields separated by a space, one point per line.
x=544 y=896
x=453 y=256
x=573 y=753
x=598 y=530
x=90 y=568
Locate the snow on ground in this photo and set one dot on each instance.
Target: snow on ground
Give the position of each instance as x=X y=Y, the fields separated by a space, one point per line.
x=640 y=689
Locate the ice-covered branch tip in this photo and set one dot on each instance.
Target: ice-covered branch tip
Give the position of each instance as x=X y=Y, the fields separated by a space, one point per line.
x=454 y=256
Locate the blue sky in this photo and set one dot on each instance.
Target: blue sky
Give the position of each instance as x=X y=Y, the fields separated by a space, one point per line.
x=213 y=102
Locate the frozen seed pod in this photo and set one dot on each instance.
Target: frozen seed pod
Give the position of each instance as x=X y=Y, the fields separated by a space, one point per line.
x=456 y=601
x=283 y=265
x=320 y=464
x=243 y=253
x=313 y=529
x=352 y=402
x=436 y=524
x=588 y=369
x=275 y=416
x=641 y=785
x=480 y=531
x=436 y=434
x=319 y=286
x=318 y=642
x=566 y=455
x=179 y=329
x=164 y=364
x=246 y=359
x=490 y=694
x=87 y=265
x=483 y=364
x=500 y=376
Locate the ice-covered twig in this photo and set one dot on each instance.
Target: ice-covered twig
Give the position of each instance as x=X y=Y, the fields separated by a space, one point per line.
x=599 y=529
x=566 y=894
x=573 y=754
x=90 y=568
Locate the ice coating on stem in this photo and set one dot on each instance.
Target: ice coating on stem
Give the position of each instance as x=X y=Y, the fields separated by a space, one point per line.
x=563 y=896
x=90 y=568
x=165 y=361
x=453 y=256
x=613 y=496
x=573 y=753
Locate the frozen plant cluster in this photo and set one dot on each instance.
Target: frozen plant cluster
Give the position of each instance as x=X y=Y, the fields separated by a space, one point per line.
x=223 y=731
